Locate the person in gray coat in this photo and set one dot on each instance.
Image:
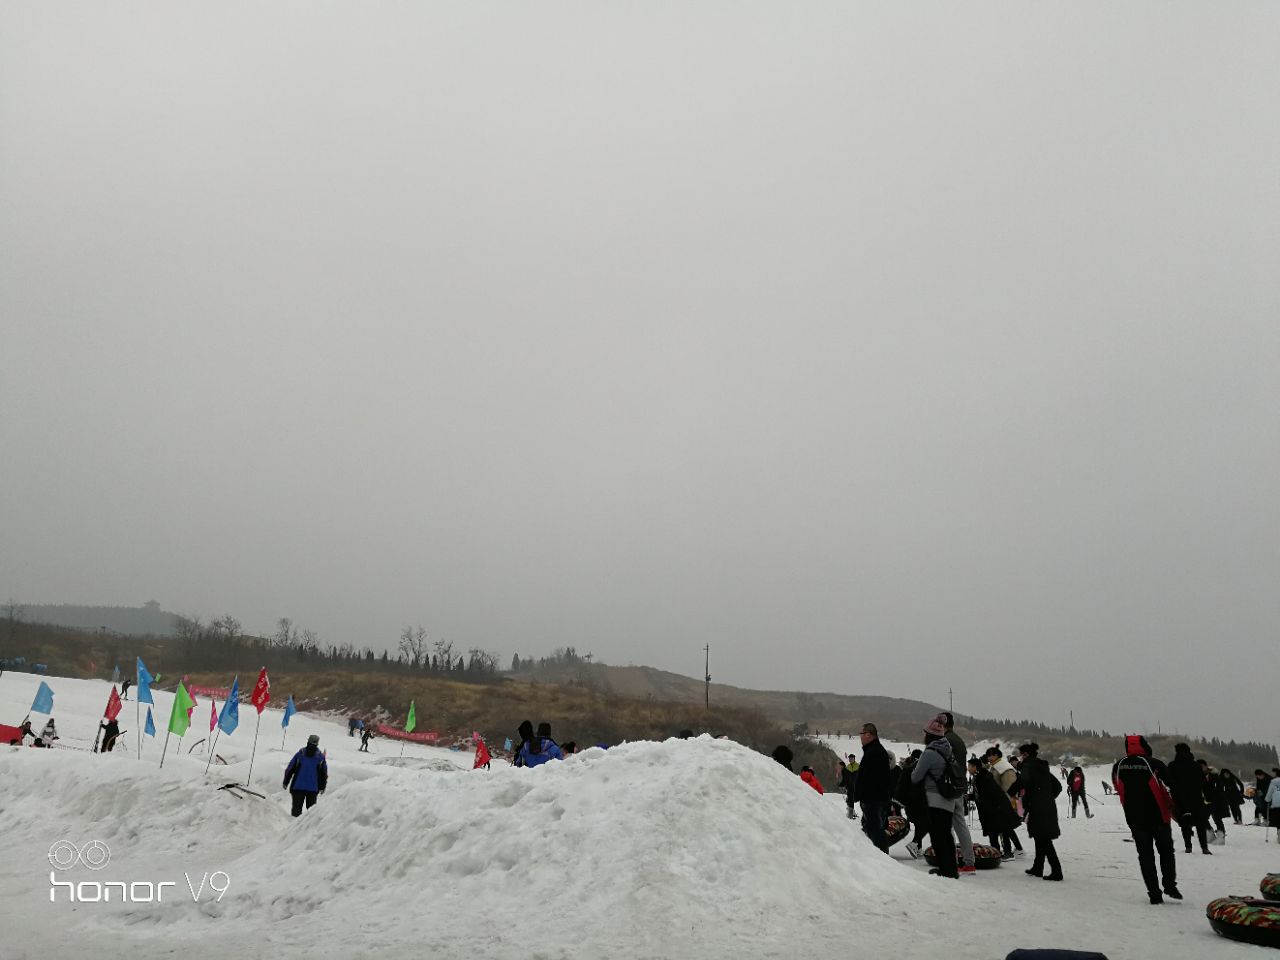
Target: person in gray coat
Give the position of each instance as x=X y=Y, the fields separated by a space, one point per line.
x=940 y=726
x=933 y=761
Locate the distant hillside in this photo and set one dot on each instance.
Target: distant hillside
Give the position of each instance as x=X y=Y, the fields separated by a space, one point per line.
x=145 y=620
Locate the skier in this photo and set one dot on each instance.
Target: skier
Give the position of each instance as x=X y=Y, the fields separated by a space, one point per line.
x=306 y=775
x=849 y=783
x=1040 y=789
x=124 y=689
x=942 y=725
x=931 y=766
x=1142 y=785
x=1075 y=788
x=808 y=776
x=110 y=733
x=994 y=811
x=1186 y=783
x=872 y=790
x=365 y=736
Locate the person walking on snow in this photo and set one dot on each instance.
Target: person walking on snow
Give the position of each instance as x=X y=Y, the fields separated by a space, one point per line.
x=1233 y=789
x=1186 y=783
x=873 y=787
x=942 y=726
x=1142 y=784
x=1075 y=789
x=1040 y=789
x=307 y=775
x=365 y=736
x=1273 y=802
x=124 y=688
x=933 y=762
x=849 y=783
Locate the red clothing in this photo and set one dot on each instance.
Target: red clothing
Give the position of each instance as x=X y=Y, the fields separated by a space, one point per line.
x=808 y=777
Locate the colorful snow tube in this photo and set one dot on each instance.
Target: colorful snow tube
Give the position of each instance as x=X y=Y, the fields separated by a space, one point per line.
x=896 y=829
x=1246 y=919
x=984 y=857
x=1270 y=886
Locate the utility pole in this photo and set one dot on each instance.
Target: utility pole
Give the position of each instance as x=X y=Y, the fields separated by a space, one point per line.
x=1072 y=715
x=707 y=670
x=951 y=701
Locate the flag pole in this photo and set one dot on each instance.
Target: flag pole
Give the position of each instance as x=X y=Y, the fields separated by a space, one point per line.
x=137 y=713
x=216 y=731
x=166 y=747
x=249 y=778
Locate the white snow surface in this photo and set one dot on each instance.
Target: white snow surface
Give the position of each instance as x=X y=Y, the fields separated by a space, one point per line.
x=697 y=848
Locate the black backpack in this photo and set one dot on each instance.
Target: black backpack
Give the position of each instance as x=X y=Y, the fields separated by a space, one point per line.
x=946 y=783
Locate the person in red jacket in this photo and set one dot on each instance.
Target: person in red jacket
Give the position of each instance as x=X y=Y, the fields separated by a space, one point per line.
x=808 y=776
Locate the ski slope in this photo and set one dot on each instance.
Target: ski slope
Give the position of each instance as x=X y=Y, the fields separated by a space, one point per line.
x=695 y=849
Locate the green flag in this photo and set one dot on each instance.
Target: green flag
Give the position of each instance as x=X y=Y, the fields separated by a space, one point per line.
x=412 y=721
x=178 y=719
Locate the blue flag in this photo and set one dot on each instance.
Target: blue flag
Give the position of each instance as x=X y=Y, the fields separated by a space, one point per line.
x=289 y=711
x=144 y=684
x=229 y=719
x=43 y=702
x=151 y=725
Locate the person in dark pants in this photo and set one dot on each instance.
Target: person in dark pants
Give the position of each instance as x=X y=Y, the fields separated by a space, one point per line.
x=1142 y=785
x=849 y=783
x=995 y=813
x=1215 y=799
x=307 y=775
x=365 y=737
x=928 y=769
x=124 y=689
x=110 y=733
x=1234 y=791
x=1040 y=789
x=873 y=787
x=1186 y=783
x=1075 y=789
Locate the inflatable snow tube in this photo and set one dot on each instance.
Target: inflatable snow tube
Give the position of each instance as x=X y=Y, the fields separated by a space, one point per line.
x=896 y=829
x=1270 y=886
x=1246 y=919
x=984 y=857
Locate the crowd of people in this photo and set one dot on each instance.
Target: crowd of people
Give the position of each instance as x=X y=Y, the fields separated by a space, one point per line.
x=934 y=789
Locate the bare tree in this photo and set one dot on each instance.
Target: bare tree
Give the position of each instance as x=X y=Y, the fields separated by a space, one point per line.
x=413 y=645
x=227 y=627
x=189 y=631
x=444 y=650
x=285 y=635
x=308 y=641
x=14 y=613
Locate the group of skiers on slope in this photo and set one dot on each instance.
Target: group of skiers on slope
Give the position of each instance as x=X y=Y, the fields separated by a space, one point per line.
x=364 y=728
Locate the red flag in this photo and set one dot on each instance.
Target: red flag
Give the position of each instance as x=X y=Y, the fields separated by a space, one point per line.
x=482 y=752
x=191 y=709
x=261 y=691
x=113 y=705
x=213 y=717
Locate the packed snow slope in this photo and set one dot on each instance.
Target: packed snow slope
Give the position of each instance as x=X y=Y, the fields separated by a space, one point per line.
x=696 y=848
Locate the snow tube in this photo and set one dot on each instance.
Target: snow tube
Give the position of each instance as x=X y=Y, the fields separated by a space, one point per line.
x=896 y=829
x=10 y=734
x=1270 y=886
x=984 y=857
x=1246 y=919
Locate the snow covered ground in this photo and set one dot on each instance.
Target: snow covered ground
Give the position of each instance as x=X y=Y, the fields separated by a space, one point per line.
x=680 y=849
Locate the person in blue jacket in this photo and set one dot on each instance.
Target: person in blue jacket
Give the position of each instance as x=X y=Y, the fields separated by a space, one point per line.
x=539 y=749
x=307 y=775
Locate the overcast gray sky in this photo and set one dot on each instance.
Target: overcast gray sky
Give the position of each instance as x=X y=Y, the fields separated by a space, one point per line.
x=885 y=347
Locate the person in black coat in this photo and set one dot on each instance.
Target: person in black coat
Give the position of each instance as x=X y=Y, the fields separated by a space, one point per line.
x=915 y=807
x=873 y=788
x=995 y=813
x=1040 y=789
x=1215 y=799
x=1142 y=783
x=1186 y=783
x=110 y=733
x=1233 y=790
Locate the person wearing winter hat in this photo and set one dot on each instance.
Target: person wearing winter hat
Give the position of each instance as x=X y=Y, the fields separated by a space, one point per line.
x=1040 y=789
x=307 y=775
x=933 y=762
x=1186 y=783
x=1142 y=784
x=939 y=727
x=525 y=733
x=539 y=749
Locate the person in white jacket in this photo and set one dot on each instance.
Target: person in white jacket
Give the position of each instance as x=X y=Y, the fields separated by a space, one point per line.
x=1273 y=803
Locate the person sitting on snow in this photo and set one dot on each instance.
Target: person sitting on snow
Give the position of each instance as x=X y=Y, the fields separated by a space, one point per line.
x=50 y=731
x=539 y=749
x=809 y=777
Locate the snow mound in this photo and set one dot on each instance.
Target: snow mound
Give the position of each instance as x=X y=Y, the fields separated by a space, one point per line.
x=671 y=842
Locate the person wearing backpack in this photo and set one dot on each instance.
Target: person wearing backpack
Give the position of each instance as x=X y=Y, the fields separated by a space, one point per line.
x=1142 y=785
x=933 y=771
x=1075 y=787
x=940 y=726
x=1040 y=789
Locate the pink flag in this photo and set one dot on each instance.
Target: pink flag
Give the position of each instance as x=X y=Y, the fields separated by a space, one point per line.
x=213 y=716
